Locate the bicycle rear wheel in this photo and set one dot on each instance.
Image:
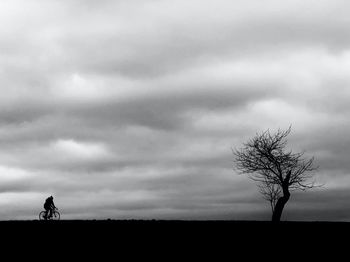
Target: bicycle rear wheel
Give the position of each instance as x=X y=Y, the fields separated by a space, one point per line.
x=42 y=215
x=56 y=215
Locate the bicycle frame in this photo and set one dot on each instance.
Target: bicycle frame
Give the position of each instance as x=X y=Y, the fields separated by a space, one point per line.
x=49 y=214
x=55 y=215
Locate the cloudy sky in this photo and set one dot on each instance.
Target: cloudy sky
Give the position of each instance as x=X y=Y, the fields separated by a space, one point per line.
x=130 y=108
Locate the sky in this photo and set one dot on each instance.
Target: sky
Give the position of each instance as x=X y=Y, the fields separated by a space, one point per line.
x=130 y=109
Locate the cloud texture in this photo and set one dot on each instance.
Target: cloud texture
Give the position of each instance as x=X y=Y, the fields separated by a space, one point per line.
x=129 y=109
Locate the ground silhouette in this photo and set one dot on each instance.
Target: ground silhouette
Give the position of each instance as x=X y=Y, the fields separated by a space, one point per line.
x=173 y=240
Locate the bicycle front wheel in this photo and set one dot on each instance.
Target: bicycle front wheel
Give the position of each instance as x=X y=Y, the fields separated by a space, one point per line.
x=56 y=215
x=42 y=215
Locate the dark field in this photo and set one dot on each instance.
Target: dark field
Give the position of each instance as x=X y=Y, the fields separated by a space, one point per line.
x=170 y=235
x=115 y=240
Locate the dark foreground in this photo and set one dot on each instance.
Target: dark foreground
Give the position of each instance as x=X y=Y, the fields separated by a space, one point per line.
x=151 y=238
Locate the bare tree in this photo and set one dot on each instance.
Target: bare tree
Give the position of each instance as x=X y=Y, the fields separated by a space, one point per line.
x=277 y=170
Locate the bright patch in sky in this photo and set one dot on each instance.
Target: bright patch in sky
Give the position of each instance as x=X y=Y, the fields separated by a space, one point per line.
x=80 y=150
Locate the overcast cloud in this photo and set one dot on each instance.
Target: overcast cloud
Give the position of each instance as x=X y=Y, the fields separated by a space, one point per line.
x=129 y=109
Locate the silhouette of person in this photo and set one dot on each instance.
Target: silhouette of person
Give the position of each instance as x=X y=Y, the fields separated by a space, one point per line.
x=49 y=207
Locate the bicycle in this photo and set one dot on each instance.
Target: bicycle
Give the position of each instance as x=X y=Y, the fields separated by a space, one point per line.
x=55 y=215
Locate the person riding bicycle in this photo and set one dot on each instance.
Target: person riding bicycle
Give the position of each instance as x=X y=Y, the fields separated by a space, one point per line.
x=49 y=207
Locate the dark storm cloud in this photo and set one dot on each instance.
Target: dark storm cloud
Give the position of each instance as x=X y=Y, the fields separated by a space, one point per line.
x=129 y=109
x=166 y=111
x=146 y=44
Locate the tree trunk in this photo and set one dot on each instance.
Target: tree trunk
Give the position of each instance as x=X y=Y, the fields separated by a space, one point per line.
x=282 y=201
x=277 y=213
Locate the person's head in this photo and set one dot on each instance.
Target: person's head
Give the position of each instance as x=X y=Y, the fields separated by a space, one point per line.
x=51 y=197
